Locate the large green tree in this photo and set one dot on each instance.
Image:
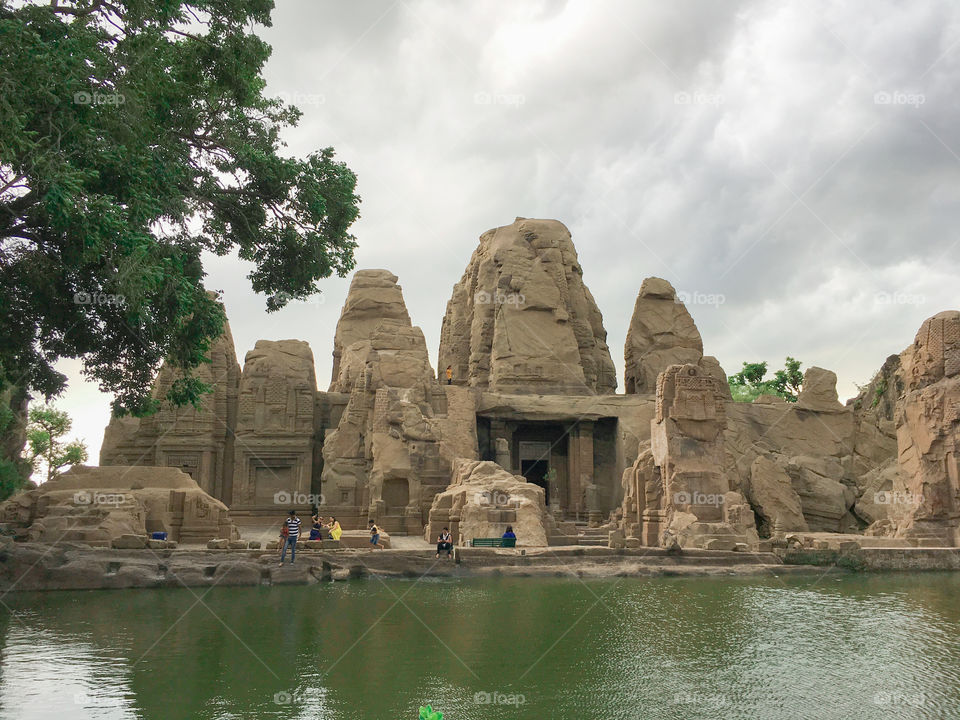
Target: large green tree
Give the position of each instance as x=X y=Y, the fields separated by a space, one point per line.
x=134 y=136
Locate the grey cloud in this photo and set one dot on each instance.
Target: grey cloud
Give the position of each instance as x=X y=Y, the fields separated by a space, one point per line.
x=672 y=138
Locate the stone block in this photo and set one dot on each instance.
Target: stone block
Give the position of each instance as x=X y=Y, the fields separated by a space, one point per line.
x=237 y=545
x=129 y=542
x=254 y=545
x=218 y=544
x=720 y=544
x=615 y=539
x=330 y=544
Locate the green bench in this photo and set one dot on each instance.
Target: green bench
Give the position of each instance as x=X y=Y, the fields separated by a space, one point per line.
x=494 y=542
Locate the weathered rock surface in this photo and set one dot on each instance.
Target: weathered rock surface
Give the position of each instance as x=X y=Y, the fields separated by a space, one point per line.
x=374 y=296
x=100 y=505
x=687 y=446
x=926 y=491
x=522 y=320
x=819 y=391
x=661 y=334
x=483 y=499
x=772 y=496
x=391 y=450
x=198 y=441
x=275 y=424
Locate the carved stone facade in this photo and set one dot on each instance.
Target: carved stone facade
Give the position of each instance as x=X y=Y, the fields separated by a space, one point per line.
x=925 y=497
x=687 y=448
x=198 y=441
x=275 y=426
x=532 y=388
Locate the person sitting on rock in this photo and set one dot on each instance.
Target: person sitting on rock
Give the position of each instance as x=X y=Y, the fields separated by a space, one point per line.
x=445 y=543
x=375 y=535
x=317 y=526
x=334 y=528
x=508 y=535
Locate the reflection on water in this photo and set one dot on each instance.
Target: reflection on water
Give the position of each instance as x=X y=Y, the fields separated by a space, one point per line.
x=846 y=648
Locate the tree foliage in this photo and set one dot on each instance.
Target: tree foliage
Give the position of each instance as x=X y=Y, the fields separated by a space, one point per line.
x=134 y=137
x=46 y=448
x=751 y=381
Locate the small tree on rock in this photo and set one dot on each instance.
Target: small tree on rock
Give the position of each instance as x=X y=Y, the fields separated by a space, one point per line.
x=45 y=445
x=748 y=384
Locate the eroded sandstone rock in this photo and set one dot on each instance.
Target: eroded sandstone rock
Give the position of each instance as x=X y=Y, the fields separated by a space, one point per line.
x=198 y=441
x=661 y=334
x=391 y=450
x=98 y=505
x=275 y=424
x=687 y=448
x=373 y=297
x=771 y=494
x=926 y=491
x=819 y=391
x=483 y=499
x=522 y=320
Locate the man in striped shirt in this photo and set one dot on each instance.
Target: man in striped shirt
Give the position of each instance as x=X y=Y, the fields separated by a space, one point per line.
x=292 y=528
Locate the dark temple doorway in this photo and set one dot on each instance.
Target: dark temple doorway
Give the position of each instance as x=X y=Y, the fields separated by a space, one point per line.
x=535 y=472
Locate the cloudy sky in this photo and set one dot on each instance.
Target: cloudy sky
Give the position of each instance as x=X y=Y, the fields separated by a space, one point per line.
x=792 y=167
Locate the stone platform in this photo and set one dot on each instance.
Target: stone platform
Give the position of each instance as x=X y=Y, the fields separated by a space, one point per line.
x=31 y=567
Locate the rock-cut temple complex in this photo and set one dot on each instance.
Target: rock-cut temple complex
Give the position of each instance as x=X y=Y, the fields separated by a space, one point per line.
x=531 y=431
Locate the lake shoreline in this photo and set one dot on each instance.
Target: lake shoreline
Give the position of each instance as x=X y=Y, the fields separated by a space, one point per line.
x=28 y=567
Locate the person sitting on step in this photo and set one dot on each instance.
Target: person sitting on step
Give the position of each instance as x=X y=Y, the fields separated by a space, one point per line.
x=445 y=543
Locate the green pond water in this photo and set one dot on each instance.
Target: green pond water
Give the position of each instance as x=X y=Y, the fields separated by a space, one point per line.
x=857 y=646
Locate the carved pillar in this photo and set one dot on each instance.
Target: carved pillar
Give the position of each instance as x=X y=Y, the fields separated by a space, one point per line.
x=501 y=430
x=581 y=465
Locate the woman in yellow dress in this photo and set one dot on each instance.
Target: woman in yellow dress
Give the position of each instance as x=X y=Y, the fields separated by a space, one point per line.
x=334 y=527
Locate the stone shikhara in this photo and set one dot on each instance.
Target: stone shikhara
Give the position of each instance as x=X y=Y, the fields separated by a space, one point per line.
x=523 y=408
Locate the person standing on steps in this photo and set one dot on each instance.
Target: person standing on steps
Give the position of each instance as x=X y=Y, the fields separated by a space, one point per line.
x=375 y=535
x=292 y=525
x=449 y=374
